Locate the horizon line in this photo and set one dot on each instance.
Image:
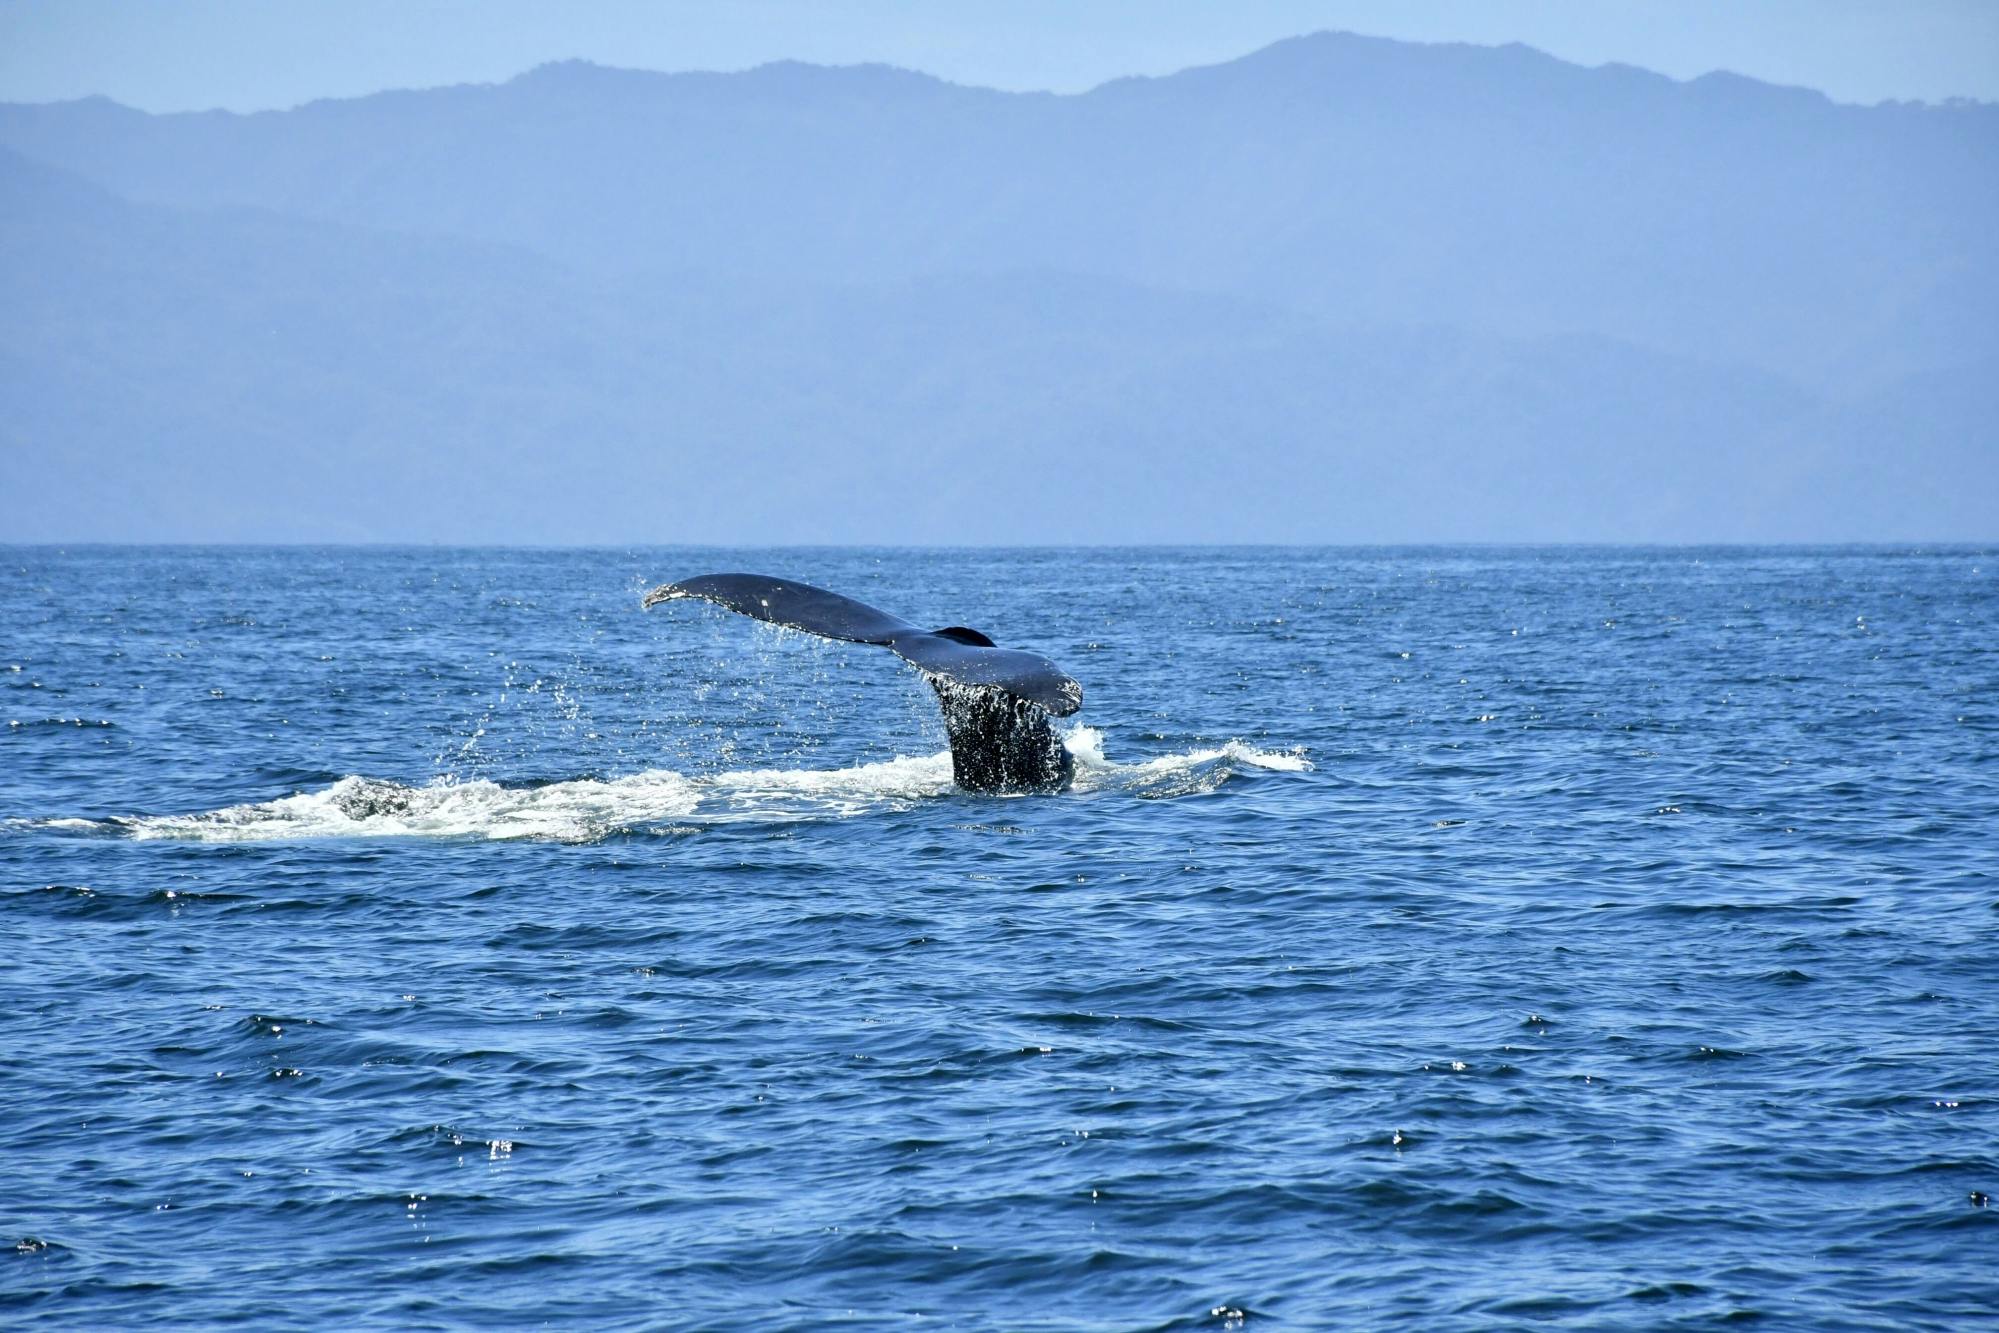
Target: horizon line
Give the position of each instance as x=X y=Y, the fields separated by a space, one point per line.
x=1971 y=543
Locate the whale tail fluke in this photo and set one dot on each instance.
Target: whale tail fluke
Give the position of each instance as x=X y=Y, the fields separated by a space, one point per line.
x=996 y=701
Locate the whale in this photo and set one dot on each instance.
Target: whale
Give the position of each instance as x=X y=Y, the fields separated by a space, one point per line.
x=997 y=702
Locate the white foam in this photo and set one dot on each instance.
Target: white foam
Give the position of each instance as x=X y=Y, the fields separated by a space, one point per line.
x=359 y=807
x=586 y=810
x=1086 y=745
x=1172 y=774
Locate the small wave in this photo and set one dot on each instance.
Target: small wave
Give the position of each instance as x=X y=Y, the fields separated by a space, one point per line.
x=1172 y=774
x=588 y=810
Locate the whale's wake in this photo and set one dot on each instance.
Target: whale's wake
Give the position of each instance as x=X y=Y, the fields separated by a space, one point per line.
x=655 y=802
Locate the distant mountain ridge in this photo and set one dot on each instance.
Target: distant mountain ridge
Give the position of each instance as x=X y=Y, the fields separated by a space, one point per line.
x=1340 y=289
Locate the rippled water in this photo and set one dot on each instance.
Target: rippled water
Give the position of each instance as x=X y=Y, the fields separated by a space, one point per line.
x=1443 y=938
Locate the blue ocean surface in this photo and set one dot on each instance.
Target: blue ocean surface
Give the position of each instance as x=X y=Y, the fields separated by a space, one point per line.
x=1435 y=938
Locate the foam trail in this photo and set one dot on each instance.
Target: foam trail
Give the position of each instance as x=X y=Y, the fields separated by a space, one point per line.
x=587 y=810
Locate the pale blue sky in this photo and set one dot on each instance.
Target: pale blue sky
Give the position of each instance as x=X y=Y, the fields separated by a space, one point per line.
x=167 y=55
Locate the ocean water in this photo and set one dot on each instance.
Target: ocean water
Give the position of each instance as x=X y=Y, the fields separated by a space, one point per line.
x=1440 y=938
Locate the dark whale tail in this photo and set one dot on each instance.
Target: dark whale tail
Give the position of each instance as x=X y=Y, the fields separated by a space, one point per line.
x=996 y=701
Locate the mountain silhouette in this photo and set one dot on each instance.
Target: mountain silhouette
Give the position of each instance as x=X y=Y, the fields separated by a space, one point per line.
x=1341 y=289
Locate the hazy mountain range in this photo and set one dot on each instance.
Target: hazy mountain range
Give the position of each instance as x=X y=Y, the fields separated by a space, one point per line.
x=1342 y=289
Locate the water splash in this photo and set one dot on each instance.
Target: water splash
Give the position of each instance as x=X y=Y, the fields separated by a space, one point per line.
x=656 y=801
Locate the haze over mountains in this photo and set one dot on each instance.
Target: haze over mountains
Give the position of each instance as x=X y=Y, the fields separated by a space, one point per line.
x=1342 y=289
